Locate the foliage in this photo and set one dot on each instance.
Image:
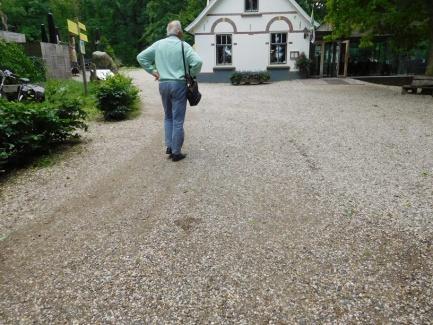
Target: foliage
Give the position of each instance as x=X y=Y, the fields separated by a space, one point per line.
x=117 y=97
x=26 y=16
x=126 y=26
x=319 y=7
x=74 y=89
x=14 y=59
x=250 y=77
x=303 y=64
x=409 y=22
x=34 y=128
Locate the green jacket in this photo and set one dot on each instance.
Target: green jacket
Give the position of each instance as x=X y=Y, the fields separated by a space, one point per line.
x=165 y=57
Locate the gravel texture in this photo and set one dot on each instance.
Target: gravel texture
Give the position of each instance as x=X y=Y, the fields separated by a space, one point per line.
x=300 y=202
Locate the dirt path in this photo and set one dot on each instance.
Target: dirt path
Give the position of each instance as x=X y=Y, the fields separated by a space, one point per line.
x=299 y=202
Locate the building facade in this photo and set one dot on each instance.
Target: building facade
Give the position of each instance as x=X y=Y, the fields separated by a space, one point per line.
x=251 y=35
x=346 y=58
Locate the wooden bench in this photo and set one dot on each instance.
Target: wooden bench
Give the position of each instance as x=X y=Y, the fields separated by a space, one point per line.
x=424 y=83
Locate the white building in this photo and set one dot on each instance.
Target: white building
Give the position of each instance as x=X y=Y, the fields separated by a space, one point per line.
x=251 y=35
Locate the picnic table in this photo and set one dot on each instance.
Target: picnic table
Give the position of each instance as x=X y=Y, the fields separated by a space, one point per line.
x=424 y=83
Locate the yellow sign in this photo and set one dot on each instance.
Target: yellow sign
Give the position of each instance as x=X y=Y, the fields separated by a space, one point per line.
x=83 y=37
x=73 y=27
x=82 y=26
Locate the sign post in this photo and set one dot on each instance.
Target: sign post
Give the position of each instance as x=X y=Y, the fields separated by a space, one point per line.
x=75 y=29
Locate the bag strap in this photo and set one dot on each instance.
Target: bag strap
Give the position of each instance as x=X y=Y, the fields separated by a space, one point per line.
x=184 y=64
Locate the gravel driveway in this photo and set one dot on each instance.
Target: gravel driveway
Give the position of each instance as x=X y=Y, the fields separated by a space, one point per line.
x=299 y=202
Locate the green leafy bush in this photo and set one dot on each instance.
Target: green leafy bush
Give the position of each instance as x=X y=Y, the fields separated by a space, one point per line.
x=250 y=77
x=117 y=97
x=33 y=128
x=303 y=64
x=236 y=78
x=55 y=89
x=13 y=58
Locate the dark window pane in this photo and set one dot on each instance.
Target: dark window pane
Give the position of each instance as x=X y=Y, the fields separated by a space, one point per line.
x=224 y=54
x=278 y=38
x=251 y=5
x=273 y=56
x=281 y=53
x=278 y=53
x=224 y=49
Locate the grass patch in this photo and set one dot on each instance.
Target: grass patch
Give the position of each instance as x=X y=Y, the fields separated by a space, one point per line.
x=75 y=89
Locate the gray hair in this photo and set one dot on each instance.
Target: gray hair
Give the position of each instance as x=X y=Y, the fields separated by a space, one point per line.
x=174 y=27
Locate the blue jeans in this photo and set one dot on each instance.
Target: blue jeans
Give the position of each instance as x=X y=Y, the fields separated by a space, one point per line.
x=173 y=94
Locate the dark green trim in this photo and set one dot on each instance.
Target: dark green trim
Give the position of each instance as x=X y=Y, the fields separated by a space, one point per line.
x=223 y=68
x=278 y=67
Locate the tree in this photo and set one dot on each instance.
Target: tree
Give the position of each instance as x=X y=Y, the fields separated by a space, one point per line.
x=26 y=16
x=3 y=18
x=319 y=7
x=409 y=22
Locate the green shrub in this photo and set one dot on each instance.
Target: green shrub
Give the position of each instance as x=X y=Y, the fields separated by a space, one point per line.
x=264 y=76
x=74 y=89
x=33 y=128
x=117 y=97
x=236 y=78
x=303 y=64
x=250 y=77
x=13 y=58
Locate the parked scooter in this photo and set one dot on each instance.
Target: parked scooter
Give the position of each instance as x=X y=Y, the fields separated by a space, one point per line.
x=13 y=87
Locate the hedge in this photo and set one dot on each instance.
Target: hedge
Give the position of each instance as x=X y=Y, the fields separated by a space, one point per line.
x=250 y=77
x=13 y=58
x=27 y=129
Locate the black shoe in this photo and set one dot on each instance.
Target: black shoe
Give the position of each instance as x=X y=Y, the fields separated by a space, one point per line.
x=168 y=151
x=178 y=157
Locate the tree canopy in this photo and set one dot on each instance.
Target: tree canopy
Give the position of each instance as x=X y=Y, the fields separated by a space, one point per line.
x=408 y=22
x=127 y=26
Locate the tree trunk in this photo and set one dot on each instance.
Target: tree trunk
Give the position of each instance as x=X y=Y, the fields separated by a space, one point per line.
x=4 y=20
x=429 y=70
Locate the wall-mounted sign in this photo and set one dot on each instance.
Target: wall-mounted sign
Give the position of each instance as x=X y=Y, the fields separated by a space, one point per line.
x=82 y=47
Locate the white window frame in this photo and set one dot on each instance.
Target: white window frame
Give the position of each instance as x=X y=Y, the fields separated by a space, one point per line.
x=270 y=47
x=216 y=50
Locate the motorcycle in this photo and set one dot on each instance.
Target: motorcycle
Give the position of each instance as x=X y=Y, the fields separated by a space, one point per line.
x=12 y=87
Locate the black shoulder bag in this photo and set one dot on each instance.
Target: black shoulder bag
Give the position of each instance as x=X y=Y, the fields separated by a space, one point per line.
x=193 y=94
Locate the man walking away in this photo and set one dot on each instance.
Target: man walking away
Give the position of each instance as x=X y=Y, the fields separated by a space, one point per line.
x=164 y=61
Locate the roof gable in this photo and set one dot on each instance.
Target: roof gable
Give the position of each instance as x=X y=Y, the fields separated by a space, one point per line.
x=213 y=3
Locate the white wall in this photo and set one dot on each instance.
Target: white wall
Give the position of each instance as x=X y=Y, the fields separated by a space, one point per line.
x=203 y=46
x=251 y=48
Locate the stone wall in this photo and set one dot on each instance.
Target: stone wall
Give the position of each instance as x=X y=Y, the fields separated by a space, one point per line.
x=57 y=60
x=12 y=37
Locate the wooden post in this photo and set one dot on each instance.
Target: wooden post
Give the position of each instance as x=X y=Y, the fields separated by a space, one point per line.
x=83 y=64
x=84 y=74
x=322 y=58
x=346 y=58
x=337 y=58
